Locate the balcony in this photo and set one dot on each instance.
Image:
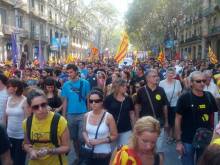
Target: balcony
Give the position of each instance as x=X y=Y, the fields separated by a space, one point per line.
x=193 y=39
x=208 y=11
x=11 y=2
x=37 y=36
x=214 y=30
x=8 y=29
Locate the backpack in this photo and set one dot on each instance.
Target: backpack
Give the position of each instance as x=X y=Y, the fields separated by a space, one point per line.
x=53 y=132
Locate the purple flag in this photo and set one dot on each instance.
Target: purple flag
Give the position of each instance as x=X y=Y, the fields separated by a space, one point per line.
x=40 y=56
x=14 y=50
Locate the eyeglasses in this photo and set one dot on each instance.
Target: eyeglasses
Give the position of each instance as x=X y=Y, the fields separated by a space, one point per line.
x=95 y=101
x=200 y=81
x=36 y=107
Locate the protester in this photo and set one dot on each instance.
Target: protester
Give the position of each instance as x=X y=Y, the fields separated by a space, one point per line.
x=194 y=109
x=152 y=101
x=172 y=88
x=142 y=145
x=99 y=130
x=53 y=95
x=122 y=108
x=16 y=111
x=111 y=87
x=46 y=134
x=75 y=92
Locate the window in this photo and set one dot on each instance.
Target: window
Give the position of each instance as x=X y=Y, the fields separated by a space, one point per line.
x=50 y=15
x=42 y=8
x=32 y=27
x=2 y=16
x=19 y=21
x=32 y=3
x=41 y=29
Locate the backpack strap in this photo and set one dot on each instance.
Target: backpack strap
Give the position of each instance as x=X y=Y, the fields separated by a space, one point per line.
x=53 y=133
x=28 y=128
x=80 y=90
x=53 y=129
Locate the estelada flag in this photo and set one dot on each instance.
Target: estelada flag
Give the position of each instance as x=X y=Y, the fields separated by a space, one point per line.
x=212 y=57
x=122 y=49
x=161 y=57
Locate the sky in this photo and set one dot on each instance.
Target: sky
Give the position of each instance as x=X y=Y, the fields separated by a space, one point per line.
x=121 y=5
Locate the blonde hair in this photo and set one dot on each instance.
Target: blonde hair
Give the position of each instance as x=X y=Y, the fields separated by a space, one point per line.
x=143 y=124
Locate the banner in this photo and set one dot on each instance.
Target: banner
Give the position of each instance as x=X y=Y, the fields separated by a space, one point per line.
x=122 y=50
x=40 y=56
x=14 y=49
x=212 y=57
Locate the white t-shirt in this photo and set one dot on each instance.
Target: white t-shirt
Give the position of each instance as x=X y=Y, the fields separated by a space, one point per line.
x=3 y=102
x=168 y=88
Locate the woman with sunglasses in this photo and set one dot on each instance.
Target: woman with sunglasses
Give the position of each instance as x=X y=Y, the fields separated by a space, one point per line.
x=53 y=98
x=37 y=141
x=102 y=122
x=122 y=108
x=16 y=112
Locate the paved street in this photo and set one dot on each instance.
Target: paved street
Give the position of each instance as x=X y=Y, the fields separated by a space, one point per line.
x=171 y=157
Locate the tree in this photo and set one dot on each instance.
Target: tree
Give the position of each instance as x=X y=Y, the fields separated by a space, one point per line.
x=85 y=19
x=149 y=23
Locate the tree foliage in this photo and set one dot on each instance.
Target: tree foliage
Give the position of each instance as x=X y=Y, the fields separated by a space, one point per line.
x=149 y=23
x=86 y=19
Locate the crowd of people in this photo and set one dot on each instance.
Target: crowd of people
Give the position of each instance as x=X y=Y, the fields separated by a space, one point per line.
x=110 y=115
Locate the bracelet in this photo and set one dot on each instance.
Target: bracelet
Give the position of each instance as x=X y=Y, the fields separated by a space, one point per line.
x=109 y=139
x=53 y=151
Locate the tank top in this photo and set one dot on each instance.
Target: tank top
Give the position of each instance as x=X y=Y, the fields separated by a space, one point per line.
x=15 y=115
x=103 y=132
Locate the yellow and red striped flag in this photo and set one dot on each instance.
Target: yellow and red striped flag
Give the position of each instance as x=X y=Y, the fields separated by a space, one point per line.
x=122 y=49
x=161 y=57
x=212 y=57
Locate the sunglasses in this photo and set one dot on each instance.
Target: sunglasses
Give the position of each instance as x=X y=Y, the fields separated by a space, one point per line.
x=36 y=107
x=95 y=101
x=200 y=81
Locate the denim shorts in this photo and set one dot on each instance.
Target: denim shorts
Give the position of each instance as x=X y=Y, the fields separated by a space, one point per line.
x=75 y=125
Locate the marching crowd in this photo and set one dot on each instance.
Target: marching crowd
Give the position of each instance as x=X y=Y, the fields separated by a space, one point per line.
x=111 y=115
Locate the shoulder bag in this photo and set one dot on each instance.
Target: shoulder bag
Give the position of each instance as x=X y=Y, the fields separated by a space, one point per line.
x=88 y=152
x=150 y=101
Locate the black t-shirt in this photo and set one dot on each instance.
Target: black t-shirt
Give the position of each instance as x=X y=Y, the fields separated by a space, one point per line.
x=202 y=106
x=54 y=102
x=113 y=106
x=92 y=80
x=158 y=98
x=4 y=142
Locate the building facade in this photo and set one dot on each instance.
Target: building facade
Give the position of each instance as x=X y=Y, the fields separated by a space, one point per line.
x=199 y=30
x=37 y=24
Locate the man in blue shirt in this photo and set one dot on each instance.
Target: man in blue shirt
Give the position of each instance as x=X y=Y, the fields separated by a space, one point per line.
x=75 y=92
